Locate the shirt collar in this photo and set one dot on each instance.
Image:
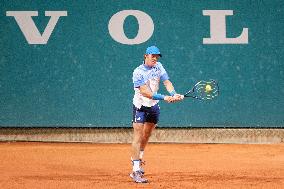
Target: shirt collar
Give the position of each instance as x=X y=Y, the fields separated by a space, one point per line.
x=147 y=67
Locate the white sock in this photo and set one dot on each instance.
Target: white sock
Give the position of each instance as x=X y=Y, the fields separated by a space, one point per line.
x=136 y=165
x=141 y=154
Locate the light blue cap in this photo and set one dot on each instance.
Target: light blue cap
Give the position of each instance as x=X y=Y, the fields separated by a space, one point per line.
x=153 y=50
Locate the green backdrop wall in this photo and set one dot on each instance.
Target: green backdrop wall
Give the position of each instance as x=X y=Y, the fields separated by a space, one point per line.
x=82 y=76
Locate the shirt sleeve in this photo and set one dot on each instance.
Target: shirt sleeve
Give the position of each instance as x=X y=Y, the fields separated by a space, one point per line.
x=164 y=74
x=138 y=79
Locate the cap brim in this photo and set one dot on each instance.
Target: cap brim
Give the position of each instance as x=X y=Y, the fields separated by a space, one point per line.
x=157 y=54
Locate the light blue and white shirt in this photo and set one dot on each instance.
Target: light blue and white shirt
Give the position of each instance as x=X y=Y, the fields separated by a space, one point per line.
x=150 y=76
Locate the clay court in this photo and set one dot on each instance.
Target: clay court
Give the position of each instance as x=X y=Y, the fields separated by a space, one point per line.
x=87 y=165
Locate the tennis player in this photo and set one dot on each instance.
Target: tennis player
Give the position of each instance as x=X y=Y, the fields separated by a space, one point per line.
x=146 y=111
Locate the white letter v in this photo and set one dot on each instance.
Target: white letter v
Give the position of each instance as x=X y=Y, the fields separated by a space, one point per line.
x=28 y=27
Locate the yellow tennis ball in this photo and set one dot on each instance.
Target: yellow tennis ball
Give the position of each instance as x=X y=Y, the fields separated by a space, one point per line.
x=208 y=88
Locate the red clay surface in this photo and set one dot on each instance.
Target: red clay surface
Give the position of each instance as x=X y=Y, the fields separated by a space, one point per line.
x=82 y=165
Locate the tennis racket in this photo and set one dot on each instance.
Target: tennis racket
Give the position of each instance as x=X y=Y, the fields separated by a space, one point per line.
x=204 y=90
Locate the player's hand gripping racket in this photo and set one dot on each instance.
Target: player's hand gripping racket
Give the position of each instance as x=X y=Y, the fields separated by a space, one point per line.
x=204 y=90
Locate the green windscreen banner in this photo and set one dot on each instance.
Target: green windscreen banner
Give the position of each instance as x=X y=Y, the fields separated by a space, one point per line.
x=70 y=63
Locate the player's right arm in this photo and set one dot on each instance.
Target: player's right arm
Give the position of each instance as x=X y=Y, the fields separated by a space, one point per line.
x=144 y=91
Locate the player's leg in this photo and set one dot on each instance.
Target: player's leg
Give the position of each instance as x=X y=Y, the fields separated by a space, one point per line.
x=136 y=175
x=138 y=118
x=137 y=139
x=138 y=127
x=147 y=131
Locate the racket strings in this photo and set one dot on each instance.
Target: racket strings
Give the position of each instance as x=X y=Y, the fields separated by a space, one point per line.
x=201 y=92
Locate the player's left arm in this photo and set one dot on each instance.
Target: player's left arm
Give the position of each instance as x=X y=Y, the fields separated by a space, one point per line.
x=168 y=84
x=170 y=88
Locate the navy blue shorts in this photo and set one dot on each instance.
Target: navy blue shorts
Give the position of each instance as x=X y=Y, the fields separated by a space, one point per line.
x=146 y=114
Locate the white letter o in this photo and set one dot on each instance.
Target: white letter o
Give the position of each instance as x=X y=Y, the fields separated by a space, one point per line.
x=145 y=31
